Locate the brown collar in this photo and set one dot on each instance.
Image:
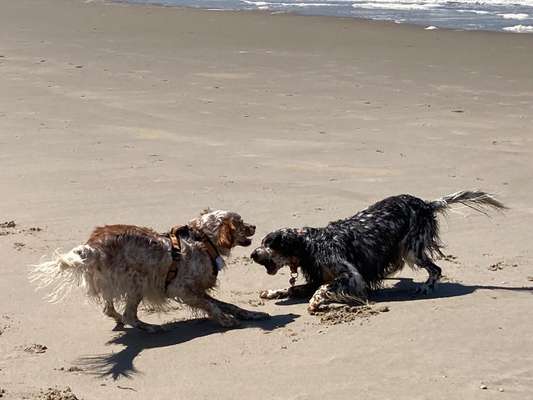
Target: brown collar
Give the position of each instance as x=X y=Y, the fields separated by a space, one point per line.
x=175 y=236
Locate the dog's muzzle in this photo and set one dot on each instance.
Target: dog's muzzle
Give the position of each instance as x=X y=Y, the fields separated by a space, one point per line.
x=262 y=256
x=249 y=231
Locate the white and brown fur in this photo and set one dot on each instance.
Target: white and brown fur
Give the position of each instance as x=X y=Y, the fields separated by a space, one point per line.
x=344 y=260
x=126 y=265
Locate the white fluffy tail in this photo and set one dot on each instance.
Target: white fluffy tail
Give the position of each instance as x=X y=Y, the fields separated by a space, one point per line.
x=63 y=273
x=474 y=199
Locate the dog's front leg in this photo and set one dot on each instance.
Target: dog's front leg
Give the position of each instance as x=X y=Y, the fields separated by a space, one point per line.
x=274 y=294
x=302 y=291
x=345 y=289
x=110 y=311
x=210 y=306
x=239 y=312
x=294 y=292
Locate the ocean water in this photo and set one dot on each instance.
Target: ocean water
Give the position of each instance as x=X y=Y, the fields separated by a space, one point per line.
x=493 y=15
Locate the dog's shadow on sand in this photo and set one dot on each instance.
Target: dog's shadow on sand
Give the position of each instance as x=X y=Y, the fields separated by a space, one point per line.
x=120 y=364
x=404 y=289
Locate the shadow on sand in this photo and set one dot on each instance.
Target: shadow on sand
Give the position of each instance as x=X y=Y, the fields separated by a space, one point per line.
x=120 y=364
x=404 y=289
x=117 y=365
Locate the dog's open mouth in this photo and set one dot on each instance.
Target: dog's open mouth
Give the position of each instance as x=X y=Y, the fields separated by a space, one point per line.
x=270 y=267
x=271 y=270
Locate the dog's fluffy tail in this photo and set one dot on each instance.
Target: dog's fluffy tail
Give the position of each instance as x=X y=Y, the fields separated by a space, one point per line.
x=474 y=199
x=62 y=273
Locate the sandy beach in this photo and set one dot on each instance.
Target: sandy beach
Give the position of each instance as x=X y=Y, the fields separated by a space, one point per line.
x=116 y=113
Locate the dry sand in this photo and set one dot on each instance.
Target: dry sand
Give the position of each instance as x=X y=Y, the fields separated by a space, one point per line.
x=145 y=115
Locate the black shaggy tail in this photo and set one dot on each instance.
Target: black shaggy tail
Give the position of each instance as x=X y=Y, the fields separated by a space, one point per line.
x=474 y=199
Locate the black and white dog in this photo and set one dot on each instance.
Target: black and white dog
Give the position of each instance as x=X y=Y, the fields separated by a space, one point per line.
x=344 y=260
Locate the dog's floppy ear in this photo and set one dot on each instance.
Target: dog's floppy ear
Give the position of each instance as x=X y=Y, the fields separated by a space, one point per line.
x=283 y=240
x=225 y=234
x=273 y=240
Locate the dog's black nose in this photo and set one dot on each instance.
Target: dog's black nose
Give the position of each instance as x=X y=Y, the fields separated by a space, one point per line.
x=254 y=255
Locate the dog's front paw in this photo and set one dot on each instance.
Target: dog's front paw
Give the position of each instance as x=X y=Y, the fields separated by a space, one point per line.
x=317 y=308
x=228 y=321
x=270 y=294
x=150 y=328
x=256 y=315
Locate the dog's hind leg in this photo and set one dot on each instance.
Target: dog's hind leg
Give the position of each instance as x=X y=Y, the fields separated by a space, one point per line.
x=130 y=315
x=345 y=289
x=237 y=311
x=110 y=311
x=434 y=272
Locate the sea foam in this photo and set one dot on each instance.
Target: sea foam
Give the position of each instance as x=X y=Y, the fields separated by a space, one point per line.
x=514 y=16
x=395 y=6
x=493 y=15
x=519 y=29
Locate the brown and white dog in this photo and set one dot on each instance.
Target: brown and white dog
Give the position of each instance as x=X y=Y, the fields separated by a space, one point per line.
x=126 y=264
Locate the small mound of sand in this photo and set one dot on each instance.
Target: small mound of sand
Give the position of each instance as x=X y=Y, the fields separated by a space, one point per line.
x=256 y=302
x=56 y=394
x=346 y=314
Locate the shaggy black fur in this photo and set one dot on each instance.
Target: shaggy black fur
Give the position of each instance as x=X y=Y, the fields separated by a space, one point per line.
x=355 y=254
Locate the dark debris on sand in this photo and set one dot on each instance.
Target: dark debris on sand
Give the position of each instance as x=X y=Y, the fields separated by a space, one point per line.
x=57 y=394
x=8 y=228
x=450 y=258
x=36 y=349
x=70 y=369
x=345 y=314
x=501 y=265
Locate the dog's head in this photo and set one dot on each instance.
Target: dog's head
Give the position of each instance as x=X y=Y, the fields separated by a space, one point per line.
x=225 y=228
x=278 y=249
